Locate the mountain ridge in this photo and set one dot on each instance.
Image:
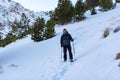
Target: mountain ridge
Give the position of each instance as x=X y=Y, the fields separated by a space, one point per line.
x=11 y=11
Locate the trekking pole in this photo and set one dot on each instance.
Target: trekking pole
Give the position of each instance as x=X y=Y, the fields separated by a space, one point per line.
x=74 y=50
x=61 y=54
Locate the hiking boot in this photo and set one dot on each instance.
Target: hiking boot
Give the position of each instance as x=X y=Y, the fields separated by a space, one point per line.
x=71 y=60
x=64 y=60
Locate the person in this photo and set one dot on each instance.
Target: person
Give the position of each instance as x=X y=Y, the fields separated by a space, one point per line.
x=65 y=43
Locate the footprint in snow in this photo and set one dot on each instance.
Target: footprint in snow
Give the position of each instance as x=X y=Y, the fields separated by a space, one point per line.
x=62 y=71
x=1 y=70
x=13 y=65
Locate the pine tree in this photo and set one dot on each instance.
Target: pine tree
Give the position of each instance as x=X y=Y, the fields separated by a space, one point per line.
x=1 y=43
x=49 y=30
x=106 y=4
x=21 y=28
x=0 y=36
x=118 y=1
x=38 y=30
x=91 y=4
x=25 y=22
x=17 y=27
x=64 y=12
x=79 y=10
x=52 y=16
x=9 y=39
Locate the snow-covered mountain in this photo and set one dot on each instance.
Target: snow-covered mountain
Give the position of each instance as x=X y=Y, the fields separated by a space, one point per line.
x=10 y=10
x=26 y=60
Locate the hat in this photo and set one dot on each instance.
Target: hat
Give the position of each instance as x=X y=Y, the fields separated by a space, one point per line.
x=64 y=29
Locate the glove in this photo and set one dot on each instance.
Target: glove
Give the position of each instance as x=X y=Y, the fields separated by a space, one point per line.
x=72 y=40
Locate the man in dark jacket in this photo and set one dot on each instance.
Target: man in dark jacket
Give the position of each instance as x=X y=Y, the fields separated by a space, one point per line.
x=65 y=43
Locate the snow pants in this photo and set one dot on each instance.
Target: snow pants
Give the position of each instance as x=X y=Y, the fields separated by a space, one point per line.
x=65 y=48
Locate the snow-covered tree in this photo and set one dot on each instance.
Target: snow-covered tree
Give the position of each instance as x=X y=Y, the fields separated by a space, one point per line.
x=25 y=21
x=21 y=28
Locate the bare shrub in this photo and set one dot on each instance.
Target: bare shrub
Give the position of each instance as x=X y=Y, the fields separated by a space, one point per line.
x=106 y=33
x=116 y=29
x=118 y=56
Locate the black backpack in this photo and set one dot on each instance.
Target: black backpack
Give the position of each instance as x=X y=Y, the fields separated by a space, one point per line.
x=66 y=40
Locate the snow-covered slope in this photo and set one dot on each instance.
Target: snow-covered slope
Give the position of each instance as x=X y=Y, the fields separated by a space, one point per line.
x=26 y=60
x=10 y=11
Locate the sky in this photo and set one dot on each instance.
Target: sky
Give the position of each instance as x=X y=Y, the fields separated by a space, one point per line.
x=40 y=5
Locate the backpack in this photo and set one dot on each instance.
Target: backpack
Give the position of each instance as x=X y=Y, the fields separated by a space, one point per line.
x=66 y=40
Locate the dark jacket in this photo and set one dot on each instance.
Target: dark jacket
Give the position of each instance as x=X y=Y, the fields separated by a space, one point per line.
x=65 y=39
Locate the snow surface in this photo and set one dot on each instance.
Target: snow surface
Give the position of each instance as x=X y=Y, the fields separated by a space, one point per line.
x=27 y=60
